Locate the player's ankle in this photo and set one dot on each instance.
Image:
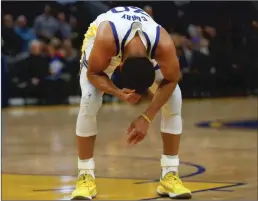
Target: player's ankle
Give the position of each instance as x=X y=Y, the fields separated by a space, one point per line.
x=90 y=172
x=86 y=166
x=169 y=163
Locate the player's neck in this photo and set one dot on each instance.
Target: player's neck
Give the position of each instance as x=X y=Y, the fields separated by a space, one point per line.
x=135 y=48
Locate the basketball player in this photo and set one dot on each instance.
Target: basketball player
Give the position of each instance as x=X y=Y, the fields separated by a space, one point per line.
x=129 y=37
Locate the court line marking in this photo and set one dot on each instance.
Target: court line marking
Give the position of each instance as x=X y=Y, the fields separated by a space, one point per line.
x=221 y=189
x=215 y=188
x=210 y=189
x=200 y=170
x=229 y=124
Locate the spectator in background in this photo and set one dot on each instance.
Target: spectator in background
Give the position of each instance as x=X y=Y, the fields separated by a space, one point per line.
x=55 y=58
x=64 y=29
x=195 y=33
x=46 y=25
x=204 y=46
x=70 y=54
x=33 y=70
x=187 y=48
x=185 y=54
x=202 y=81
x=37 y=63
x=24 y=32
x=76 y=40
x=73 y=11
x=12 y=42
x=55 y=86
x=71 y=58
x=211 y=34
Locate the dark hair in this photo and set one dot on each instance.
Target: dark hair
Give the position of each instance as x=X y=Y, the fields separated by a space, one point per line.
x=137 y=73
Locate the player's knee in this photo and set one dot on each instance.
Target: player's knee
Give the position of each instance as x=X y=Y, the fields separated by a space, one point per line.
x=171 y=124
x=86 y=125
x=171 y=120
x=174 y=103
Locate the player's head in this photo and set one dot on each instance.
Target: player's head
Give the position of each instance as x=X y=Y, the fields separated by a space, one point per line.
x=137 y=73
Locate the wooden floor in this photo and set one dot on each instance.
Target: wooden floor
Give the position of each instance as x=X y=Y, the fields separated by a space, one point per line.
x=38 y=146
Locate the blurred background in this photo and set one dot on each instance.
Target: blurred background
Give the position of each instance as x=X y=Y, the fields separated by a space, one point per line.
x=216 y=44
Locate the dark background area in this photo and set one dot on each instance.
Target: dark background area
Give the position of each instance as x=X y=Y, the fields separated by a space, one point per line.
x=216 y=43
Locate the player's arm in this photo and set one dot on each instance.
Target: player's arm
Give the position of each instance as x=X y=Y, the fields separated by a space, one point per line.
x=169 y=66
x=103 y=50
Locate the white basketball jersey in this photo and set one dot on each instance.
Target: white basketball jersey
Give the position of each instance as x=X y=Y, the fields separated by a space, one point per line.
x=125 y=23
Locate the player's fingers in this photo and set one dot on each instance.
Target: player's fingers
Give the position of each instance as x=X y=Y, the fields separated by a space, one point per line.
x=138 y=139
x=130 y=129
x=137 y=96
x=134 y=98
x=131 y=137
x=127 y=91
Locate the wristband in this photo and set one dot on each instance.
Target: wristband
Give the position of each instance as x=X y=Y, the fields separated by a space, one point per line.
x=146 y=118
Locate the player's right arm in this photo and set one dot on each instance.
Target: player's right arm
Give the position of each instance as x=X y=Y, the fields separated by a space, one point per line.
x=103 y=50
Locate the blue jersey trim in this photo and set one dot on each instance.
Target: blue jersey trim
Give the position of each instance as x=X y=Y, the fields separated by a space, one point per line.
x=148 y=42
x=156 y=67
x=115 y=36
x=84 y=62
x=156 y=42
x=124 y=40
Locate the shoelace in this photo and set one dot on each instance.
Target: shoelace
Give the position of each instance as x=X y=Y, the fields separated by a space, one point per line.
x=170 y=176
x=86 y=180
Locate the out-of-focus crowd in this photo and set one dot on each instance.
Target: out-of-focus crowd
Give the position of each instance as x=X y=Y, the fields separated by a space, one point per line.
x=42 y=58
x=213 y=62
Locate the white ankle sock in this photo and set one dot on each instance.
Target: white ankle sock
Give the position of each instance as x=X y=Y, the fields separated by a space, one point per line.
x=169 y=164
x=86 y=166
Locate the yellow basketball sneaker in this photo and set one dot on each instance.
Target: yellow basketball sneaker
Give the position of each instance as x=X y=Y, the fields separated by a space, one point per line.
x=85 y=188
x=170 y=185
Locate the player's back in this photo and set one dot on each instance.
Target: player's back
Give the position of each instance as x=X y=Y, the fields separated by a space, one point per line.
x=124 y=18
x=125 y=23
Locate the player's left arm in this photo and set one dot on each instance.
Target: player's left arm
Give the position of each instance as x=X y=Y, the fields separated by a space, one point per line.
x=169 y=65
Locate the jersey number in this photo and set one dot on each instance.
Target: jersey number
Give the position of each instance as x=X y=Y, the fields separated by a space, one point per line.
x=130 y=17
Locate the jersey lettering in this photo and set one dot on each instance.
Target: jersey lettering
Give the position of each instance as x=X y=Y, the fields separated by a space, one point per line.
x=131 y=17
x=134 y=18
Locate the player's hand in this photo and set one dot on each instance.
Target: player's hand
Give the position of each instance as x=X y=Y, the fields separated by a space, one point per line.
x=130 y=96
x=137 y=130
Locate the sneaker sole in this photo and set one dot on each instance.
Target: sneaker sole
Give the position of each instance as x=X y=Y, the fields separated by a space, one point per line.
x=83 y=198
x=175 y=196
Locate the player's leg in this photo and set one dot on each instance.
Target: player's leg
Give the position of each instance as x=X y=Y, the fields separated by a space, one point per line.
x=171 y=129
x=86 y=130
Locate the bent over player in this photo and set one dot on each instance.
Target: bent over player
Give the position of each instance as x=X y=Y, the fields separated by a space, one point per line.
x=129 y=38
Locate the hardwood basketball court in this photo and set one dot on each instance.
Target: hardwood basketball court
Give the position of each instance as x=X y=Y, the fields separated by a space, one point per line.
x=39 y=159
